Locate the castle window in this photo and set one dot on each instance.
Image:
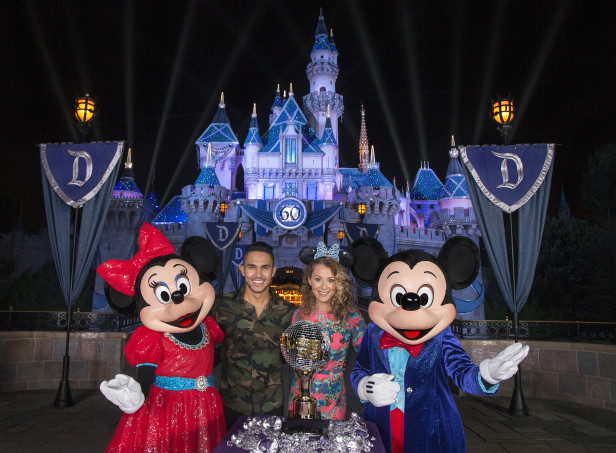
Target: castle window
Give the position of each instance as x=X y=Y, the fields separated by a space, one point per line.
x=290 y=151
x=290 y=189
x=268 y=192
x=311 y=192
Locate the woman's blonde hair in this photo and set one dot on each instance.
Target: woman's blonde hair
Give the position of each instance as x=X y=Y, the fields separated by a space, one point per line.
x=342 y=301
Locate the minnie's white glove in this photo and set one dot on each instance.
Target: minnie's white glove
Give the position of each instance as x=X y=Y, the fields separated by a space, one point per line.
x=124 y=392
x=378 y=389
x=504 y=364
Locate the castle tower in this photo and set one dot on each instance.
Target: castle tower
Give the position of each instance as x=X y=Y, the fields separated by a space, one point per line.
x=330 y=160
x=252 y=146
x=224 y=147
x=363 y=143
x=322 y=72
x=455 y=191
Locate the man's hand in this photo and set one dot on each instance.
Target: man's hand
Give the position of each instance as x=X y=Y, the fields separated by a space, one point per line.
x=504 y=365
x=378 y=389
x=124 y=392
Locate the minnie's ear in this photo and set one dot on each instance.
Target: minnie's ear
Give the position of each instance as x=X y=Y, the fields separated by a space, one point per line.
x=121 y=303
x=460 y=257
x=202 y=254
x=306 y=255
x=369 y=254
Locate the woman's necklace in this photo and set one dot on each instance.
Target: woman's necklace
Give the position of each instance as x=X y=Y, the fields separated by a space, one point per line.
x=204 y=340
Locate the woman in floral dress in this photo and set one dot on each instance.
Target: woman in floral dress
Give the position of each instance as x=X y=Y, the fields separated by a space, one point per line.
x=328 y=301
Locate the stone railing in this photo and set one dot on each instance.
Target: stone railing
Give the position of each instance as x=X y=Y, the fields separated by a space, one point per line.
x=579 y=372
x=33 y=360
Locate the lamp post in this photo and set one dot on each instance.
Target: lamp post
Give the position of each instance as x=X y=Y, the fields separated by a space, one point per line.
x=85 y=111
x=502 y=113
x=361 y=210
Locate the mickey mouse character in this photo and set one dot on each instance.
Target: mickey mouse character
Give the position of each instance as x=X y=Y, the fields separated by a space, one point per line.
x=172 y=294
x=409 y=350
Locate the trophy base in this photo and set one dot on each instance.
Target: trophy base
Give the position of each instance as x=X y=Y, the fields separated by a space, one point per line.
x=312 y=427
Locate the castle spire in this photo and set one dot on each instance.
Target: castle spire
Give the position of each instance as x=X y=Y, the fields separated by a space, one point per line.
x=290 y=89
x=221 y=114
x=129 y=162
x=363 y=142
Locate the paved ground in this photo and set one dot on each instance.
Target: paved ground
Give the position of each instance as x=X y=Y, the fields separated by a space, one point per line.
x=30 y=423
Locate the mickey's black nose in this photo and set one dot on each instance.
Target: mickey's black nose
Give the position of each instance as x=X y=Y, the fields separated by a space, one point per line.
x=409 y=302
x=177 y=297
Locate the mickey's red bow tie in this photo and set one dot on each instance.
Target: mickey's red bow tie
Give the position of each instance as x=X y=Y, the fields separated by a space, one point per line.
x=389 y=341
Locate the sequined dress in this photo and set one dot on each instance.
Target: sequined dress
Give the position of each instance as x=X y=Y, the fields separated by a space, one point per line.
x=173 y=420
x=328 y=382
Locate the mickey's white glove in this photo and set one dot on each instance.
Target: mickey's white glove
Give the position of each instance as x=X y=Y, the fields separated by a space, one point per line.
x=124 y=392
x=504 y=364
x=379 y=389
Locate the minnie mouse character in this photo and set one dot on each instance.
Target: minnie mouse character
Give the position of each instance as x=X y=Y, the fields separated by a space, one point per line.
x=409 y=350
x=172 y=294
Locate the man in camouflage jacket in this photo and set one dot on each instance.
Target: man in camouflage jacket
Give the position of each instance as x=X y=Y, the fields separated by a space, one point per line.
x=253 y=320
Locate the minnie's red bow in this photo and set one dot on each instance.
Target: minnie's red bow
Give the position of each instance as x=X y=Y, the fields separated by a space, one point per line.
x=389 y=341
x=121 y=275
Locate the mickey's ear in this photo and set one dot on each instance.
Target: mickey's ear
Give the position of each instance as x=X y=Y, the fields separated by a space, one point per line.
x=369 y=254
x=460 y=256
x=203 y=255
x=121 y=303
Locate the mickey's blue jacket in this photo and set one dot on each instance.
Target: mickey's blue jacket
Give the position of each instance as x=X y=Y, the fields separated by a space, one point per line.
x=431 y=419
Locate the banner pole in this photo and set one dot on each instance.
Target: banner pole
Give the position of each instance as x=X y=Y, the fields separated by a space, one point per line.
x=64 y=397
x=517 y=406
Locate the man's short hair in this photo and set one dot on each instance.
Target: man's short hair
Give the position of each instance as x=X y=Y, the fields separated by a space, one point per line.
x=260 y=246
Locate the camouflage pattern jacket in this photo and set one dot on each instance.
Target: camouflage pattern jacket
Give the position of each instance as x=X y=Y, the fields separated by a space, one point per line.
x=251 y=378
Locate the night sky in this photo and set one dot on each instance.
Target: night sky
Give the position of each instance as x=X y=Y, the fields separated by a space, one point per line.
x=423 y=70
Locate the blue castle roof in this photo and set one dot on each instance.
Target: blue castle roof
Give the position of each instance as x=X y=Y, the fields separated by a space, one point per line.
x=172 y=213
x=427 y=186
x=290 y=111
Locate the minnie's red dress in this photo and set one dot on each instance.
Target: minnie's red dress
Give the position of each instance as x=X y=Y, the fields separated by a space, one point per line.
x=185 y=421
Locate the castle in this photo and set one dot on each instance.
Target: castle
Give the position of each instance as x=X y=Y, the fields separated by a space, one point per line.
x=296 y=158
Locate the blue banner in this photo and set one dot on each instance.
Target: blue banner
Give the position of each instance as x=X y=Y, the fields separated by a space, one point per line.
x=508 y=176
x=77 y=220
x=238 y=255
x=76 y=172
x=356 y=230
x=222 y=234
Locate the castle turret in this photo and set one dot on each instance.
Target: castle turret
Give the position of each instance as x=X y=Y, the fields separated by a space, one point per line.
x=322 y=72
x=330 y=160
x=224 y=147
x=252 y=146
x=276 y=106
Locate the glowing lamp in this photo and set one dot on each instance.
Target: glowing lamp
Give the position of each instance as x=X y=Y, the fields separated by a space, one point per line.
x=85 y=108
x=361 y=208
x=502 y=111
x=341 y=235
x=222 y=208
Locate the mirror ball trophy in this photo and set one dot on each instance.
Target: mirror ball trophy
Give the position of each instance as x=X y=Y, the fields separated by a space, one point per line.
x=305 y=346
